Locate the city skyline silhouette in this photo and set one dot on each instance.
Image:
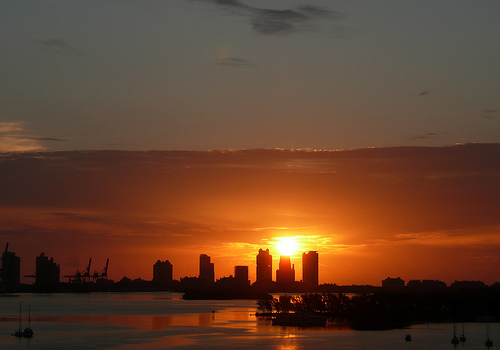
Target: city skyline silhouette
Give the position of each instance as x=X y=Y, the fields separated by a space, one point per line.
x=48 y=278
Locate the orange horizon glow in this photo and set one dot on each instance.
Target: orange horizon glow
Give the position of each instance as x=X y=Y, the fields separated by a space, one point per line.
x=370 y=214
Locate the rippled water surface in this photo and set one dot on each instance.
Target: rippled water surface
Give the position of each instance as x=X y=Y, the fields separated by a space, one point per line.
x=165 y=321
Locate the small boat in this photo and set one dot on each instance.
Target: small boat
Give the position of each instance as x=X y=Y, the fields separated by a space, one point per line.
x=462 y=337
x=488 y=342
x=454 y=340
x=28 y=332
x=408 y=337
x=19 y=333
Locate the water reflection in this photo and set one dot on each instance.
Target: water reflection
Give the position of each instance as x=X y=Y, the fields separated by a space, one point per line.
x=287 y=347
x=159 y=322
x=204 y=320
x=150 y=321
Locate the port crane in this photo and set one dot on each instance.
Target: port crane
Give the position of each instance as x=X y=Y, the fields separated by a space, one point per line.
x=86 y=276
x=81 y=277
x=101 y=274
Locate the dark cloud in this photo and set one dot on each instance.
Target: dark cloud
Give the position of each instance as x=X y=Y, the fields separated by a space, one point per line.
x=230 y=3
x=423 y=93
x=159 y=181
x=57 y=46
x=274 y=21
x=234 y=61
x=319 y=11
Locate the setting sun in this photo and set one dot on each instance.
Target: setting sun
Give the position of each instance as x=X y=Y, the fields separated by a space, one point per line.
x=287 y=245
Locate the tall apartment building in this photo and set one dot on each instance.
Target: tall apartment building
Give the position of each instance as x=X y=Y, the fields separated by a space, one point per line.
x=11 y=270
x=162 y=272
x=286 y=272
x=264 y=267
x=47 y=274
x=241 y=274
x=310 y=270
x=207 y=273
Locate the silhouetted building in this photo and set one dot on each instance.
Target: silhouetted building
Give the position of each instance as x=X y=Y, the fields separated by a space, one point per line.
x=393 y=283
x=285 y=275
x=426 y=285
x=310 y=270
x=47 y=274
x=241 y=274
x=206 y=269
x=11 y=270
x=264 y=267
x=162 y=272
x=467 y=285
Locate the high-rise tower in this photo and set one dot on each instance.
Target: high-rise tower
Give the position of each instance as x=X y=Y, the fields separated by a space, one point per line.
x=206 y=269
x=286 y=272
x=11 y=270
x=241 y=275
x=310 y=270
x=264 y=267
x=162 y=272
x=47 y=274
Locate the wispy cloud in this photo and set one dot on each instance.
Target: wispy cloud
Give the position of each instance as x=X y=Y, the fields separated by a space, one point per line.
x=233 y=62
x=14 y=137
x=490 y=114
x=427 y=136
x=40 y=138
x=275 y=21
x=57 y=46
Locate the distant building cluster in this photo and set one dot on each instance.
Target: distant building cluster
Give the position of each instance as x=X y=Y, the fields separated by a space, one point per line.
x=285 y=274
x=46 y=276
x=47 y=279
x=398 y=284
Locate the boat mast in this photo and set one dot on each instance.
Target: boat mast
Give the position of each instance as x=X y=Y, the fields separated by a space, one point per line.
x=20 y=319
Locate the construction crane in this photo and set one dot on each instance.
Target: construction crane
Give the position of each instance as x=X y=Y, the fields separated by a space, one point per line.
x=81 y=277
x=101 y=274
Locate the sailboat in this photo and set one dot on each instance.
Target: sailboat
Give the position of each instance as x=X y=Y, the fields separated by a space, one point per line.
x=454 y=340
x=462 y=337
x=488 y=342
x=28 y=332
x=19 y=333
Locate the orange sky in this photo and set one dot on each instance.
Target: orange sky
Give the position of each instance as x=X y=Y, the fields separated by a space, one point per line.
x=417 y=213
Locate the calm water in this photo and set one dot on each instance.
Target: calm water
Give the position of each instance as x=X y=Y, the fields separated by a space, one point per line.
x=165 y=321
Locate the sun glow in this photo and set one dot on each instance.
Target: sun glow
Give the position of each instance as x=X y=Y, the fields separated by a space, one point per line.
x=287 y=245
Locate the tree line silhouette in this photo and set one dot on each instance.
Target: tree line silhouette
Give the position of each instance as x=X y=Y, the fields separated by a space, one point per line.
x=386 y=310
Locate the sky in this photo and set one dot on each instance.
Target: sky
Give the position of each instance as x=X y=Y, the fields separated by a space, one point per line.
x=212 y=74
x=152 y=129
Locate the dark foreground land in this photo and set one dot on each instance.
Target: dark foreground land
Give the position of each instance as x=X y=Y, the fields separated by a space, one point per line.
x=388 y=310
